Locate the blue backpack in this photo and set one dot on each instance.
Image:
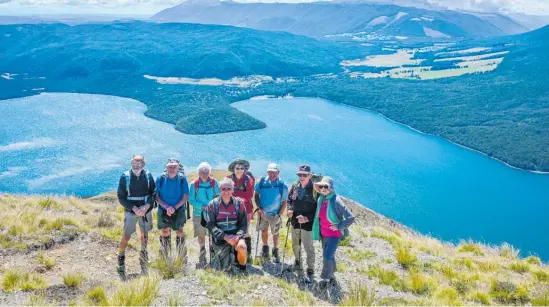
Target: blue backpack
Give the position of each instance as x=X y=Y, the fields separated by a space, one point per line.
x=280 y=186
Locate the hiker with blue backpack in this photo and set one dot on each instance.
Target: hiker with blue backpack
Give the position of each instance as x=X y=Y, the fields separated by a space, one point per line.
x=271 y=196
x=202 y=190
x=227 y=222
x=330 y=225
x=172 y=192
x=302 y=204
x=244 y=189
x=136 y=194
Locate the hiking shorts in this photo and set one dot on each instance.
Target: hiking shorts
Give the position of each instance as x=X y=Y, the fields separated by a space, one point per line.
x=175 y=222
x=131 y=220
x=274 y=221
x=198 y=229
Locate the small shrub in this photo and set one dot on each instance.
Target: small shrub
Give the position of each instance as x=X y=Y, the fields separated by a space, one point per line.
x=386 y=277
x=405 y=257
x=461 y=285
x=47 y=262
x=105 y=220
x=448 y=297
x=175 y=300
x=541 y=276
x=533 y=260
x=519 y=267
x=346 y=241
x=471 y=248
x=139 y=292
x=465 y=262
x=447 y=271
x=359 y=295
x=15 y=280
x=488 y=266
x=508 y=251
x=506 y=292
x=541 y=300
x=395 y=242
x=420 y=284
x=36 y=300
x=97 y=297
x=360 y=255
x=49 y=203
x=15 y=230
x=481 y=297
x=169 y=268
x=73 y=280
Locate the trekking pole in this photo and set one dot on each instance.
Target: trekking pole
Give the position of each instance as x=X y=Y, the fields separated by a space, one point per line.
x=285 y=245
x=258 y=231
x=299 y=257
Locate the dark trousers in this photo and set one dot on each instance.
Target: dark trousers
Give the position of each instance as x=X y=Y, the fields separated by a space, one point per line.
x=329 y=247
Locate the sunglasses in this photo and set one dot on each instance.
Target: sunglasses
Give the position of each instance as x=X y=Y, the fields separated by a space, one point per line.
x=226 y=189
x=239 y=168
x=324 y=187
x=302 y=175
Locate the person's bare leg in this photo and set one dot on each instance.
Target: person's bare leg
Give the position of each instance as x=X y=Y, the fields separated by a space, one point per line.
x=276 y=241
x=265 y=236
x=241 y=253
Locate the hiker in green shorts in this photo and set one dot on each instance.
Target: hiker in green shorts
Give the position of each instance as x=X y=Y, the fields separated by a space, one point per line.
x=135 y=193
x=172 y=192
x=202 y=190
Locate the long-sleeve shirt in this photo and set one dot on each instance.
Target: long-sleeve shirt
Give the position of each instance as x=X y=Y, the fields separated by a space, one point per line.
x=302 y=201
x=139 y=187
x=244 y=191
x=202 y=197
x=225 y=220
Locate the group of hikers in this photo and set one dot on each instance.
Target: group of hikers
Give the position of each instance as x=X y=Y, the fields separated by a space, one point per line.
x=222 y=211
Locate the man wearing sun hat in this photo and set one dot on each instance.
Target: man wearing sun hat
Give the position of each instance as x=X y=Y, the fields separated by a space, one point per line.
x=172 y=192
x=302 y=203
x=271 y=196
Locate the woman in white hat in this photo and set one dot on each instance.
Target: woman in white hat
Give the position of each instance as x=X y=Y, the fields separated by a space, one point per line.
x=331 y=225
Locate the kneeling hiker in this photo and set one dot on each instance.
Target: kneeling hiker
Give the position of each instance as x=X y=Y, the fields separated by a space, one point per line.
x=227 y=222
x=203 y=189
x=135 y=193
x=331 y=225
x=301 y=209
x=271 y=196
x=172 y=191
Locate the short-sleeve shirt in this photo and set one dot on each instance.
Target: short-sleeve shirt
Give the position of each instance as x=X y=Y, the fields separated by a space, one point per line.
x=270 y=196
x=171 y=191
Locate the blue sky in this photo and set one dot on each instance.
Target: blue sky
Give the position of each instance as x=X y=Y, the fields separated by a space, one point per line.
x=150 y=7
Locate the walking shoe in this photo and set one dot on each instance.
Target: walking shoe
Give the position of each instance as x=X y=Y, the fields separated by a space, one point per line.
x=243 y=269
x=265 y=252
x=144 y=262
x=276 y=255
x=323 y=284
x=122 y=266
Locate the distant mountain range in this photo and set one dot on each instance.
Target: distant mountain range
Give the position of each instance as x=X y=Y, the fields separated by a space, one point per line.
x=319 y=19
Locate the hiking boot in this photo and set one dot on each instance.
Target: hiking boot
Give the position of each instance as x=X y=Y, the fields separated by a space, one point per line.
x=243 y=270
x=310 y=276
x=144 y=262
x=122 y=267
x=265 y=252
x=202 y=258
x=165 y=246
x=276 y=255
x=181 y=249
x=248 y=242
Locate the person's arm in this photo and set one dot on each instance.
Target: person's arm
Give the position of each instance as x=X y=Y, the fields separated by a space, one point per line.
x=242 y=221
x=284 y=200
x=123 y=195
x=347 y=216
x=210 y=217
x=185 y=188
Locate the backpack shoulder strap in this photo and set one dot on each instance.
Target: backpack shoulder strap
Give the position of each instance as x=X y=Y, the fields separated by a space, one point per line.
x=128 y=178
x=212 y=183
x=216 y=205
x=148 y=178
x=281 y=186
x=261 y=182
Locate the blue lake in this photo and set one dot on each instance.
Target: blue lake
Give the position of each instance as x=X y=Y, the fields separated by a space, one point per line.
x=80 y=144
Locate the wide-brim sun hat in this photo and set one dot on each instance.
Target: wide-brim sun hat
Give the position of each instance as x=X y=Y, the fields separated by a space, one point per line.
x=326 y=180
x=173 y=162
x=238 y=161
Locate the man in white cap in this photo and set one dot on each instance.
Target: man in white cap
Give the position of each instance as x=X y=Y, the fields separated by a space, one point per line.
x=271 y=196
x=172 y=192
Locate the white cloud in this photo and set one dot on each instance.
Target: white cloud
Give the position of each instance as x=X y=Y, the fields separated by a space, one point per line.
x=149 y=7
x=33 y=144
x=12 y=171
